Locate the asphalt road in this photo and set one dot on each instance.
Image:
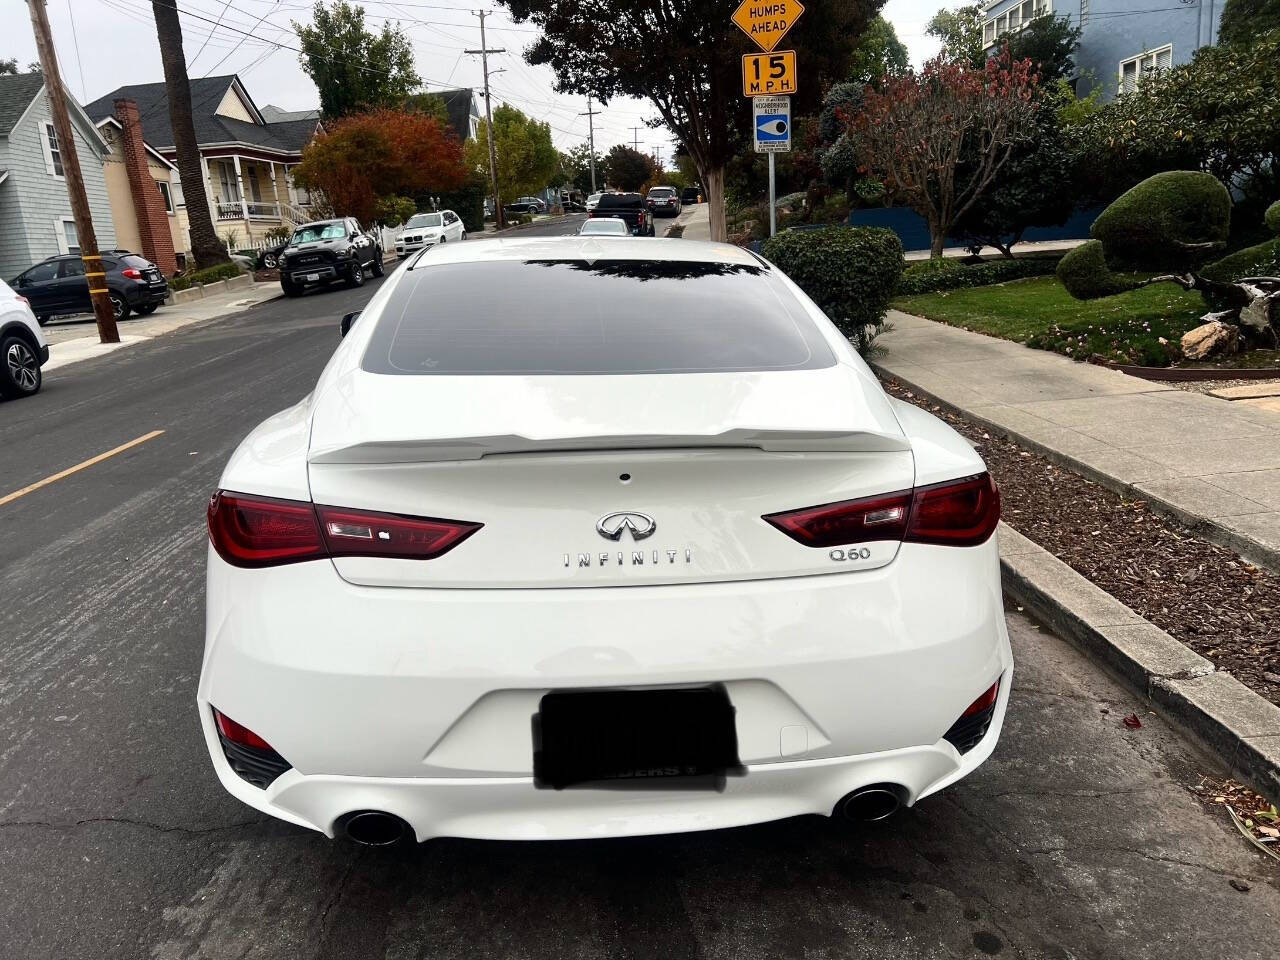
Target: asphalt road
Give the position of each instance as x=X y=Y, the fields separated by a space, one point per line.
x=1079 y=838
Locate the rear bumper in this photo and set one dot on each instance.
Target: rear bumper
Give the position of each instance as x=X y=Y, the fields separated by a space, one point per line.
x=143 y=294
x=419 y=702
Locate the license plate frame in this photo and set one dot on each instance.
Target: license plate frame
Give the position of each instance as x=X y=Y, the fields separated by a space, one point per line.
x=664 y=738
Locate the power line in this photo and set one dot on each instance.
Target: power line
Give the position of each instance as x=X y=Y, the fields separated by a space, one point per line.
x=192 y=61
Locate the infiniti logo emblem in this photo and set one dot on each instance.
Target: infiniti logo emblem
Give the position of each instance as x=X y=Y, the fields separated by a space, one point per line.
x=641 y=525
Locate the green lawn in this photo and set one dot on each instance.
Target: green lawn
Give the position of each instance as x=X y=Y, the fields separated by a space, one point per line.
x=1038 y=312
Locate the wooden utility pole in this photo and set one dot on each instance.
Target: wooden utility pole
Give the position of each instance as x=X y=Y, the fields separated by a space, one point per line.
x=591 y=114
x=93 y=272
x=484 y=52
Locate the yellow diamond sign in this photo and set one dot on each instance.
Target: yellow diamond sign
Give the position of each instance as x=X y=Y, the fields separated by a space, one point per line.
x=767 y=21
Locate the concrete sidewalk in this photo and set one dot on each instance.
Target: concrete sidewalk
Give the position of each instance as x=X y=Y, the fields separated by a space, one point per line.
x=698 y=224
x=1212 y=463
x=72 y=339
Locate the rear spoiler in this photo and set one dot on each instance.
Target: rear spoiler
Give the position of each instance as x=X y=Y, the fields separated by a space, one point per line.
x=473 y=448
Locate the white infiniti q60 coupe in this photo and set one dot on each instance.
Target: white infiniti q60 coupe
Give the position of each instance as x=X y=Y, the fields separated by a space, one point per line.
x=579 y=538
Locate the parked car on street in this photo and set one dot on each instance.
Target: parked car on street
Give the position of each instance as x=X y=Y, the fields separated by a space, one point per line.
x=630 y=207
x=269 y=257
x=604 y=227
x=524 y=205
x=328 y=251
x=57 y=286
x=424 y=230
x=691 y=195
x=593 y=201
x=22 y=348
x=664 y=201
x=564 y=545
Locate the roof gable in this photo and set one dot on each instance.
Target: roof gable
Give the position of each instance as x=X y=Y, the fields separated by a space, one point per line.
x=16 y=93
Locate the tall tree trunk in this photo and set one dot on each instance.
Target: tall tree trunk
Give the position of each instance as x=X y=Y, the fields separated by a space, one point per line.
x=713 y=181
x=205 y=245
x=937 y=240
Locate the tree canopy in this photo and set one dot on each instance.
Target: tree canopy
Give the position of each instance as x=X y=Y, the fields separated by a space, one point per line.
x=363 y=162
x=527 y=159
x=601 y=47
x=352 y=67
x=879 y=53
x=627 y=168
x=1243 y=21
x=960 y=31
x=576 y=166
x=1050 y=43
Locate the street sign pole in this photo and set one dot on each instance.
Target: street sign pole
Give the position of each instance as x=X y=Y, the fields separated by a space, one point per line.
x=773 y=201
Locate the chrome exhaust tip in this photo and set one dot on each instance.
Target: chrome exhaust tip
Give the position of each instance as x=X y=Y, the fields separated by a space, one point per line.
x=876 y=802
x=373 y=828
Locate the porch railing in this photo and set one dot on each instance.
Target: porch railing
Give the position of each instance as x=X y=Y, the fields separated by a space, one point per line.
x=232 y=210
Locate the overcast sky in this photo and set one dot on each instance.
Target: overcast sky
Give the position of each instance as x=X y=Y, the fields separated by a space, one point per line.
x=103 y=44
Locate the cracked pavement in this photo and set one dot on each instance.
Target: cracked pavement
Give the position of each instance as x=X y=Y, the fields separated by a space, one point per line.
x=1078 y=839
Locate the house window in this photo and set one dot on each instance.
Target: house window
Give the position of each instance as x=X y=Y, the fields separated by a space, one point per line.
x=229 y=183
x=168 y=198
x=1028 y=11
x=989 y=32
x=53 y=156
x=1002 y=25
x=1144 y=65
x=68 y=239
x=1013 y=19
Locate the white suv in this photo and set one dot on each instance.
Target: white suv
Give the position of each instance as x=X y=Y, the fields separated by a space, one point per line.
x=22 y=348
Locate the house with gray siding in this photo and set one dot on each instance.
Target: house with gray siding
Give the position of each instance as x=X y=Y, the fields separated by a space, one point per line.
x=1122 y=40
x=35 y=210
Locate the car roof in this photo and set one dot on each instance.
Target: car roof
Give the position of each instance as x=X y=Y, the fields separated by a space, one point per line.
x=586 y=248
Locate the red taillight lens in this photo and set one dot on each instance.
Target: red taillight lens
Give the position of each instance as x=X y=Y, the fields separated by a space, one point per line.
x=131 y=273
x=263 y=532
x=959 y=513
x=238 y=734
x=850 y=521
x=357 y=533
x=984 y=702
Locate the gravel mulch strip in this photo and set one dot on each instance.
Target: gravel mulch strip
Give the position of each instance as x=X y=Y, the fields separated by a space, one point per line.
x=1222 y=607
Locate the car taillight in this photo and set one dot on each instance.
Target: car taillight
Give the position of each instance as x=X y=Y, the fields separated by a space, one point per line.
x=131 y=273
x=264 y=532
x=351 y=533
x=239 y=734
x=962 y=513
x=849 y=521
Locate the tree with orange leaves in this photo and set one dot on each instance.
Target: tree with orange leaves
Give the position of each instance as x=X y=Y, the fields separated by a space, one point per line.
x=384 y=153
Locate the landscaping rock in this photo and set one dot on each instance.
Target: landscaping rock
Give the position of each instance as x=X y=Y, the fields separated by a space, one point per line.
x=1209 y=340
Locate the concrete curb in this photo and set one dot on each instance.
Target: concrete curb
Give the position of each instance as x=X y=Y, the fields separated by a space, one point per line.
x=1260 y=553
x=1236 y=724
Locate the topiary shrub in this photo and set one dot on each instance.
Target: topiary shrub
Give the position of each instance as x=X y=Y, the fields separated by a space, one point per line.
x=1169 y=222
x=928 y=276
x=1272 y=217
x=850 y=272
x=1085 y=274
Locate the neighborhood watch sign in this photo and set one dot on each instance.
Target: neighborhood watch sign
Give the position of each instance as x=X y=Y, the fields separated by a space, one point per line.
x=767 y=23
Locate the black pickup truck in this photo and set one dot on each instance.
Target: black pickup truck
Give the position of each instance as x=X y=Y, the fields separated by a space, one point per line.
x=327 y=251
x=630 y=207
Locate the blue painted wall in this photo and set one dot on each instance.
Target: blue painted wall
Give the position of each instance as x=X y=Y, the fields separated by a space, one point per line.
x=914 y=233
x=1115 y=30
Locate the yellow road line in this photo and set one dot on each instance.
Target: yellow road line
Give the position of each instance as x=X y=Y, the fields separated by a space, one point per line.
x=78 y=467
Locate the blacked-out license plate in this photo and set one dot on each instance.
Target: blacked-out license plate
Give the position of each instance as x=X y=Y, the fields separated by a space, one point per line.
x=629 y=737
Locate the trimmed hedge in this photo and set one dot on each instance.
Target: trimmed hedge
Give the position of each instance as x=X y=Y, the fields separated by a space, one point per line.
x=1147 y=227
x=1261 y=260
x=929 y=276
x=1085 y=274
x=850 y=272
x=1272 y=217
x=222 y=271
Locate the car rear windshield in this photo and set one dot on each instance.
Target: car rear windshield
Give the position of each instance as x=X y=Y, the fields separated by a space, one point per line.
x=135 y=261
x=662 y=192
x=592 y=317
